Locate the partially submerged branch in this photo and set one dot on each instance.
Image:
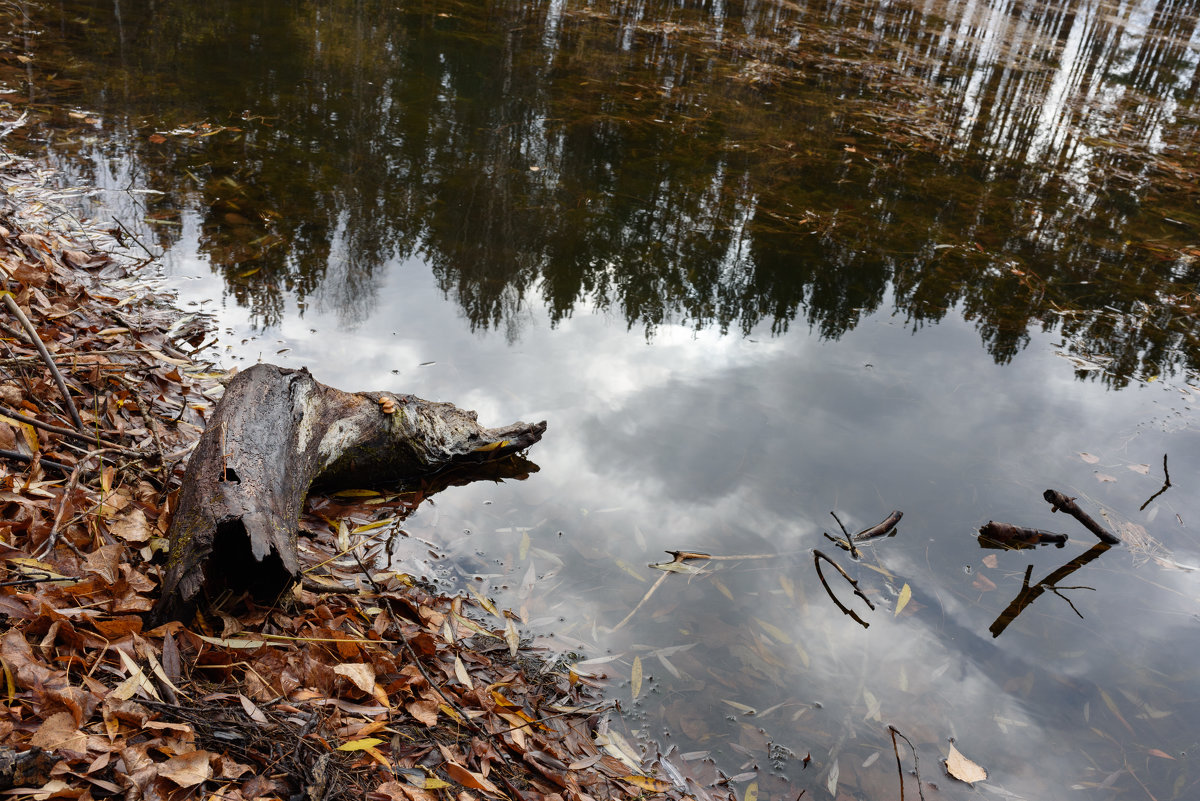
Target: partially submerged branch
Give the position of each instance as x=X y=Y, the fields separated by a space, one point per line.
x=1061 y=503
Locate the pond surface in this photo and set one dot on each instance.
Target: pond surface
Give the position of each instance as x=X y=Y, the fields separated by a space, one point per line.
x=754 y=262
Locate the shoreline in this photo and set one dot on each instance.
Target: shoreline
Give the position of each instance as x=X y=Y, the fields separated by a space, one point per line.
x=100 y=706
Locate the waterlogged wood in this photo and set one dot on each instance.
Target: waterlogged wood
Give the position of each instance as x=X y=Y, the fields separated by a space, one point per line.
x=1006 y=535
x=276 y=433
x=1061 y=503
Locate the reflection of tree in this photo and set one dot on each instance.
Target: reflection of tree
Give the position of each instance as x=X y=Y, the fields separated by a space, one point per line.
x=724 y=165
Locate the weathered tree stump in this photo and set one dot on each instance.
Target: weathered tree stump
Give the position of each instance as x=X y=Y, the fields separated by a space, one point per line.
x=276 y=433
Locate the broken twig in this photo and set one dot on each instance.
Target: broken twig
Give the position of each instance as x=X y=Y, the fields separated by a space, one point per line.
x=1062 y=503
x=11 y=303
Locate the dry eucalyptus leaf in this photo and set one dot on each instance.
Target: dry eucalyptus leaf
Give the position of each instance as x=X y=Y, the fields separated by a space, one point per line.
x=963 y=769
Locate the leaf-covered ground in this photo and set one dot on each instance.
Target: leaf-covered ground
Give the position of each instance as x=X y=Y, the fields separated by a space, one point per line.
x=359 y=683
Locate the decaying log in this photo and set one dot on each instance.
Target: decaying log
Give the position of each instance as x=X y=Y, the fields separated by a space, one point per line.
x=1006 y=535
x=276 y=433
x=1061 y=503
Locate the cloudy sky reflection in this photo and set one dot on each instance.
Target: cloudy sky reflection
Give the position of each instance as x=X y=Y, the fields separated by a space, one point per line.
x=733 y=445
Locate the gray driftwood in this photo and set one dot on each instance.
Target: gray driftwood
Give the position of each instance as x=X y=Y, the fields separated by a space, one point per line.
x=276 y=433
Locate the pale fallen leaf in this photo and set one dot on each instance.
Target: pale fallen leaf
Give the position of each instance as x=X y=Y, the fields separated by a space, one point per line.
x=131 y=526
x=1089 y=458
x=361 y=675
x=511 y=637
x=832 y=782
x=991 y=560
x=460 y=673
x=187 y=770
x=60 y=731
x=636 y=677
x=1105 y=478
x=963 y=769
x=1144 y=469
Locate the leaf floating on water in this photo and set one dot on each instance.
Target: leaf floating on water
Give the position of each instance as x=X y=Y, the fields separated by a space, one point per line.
x=636 y=677
x=1144 y=469
x=1089 y=458
x=751 y=792
x=963 y=769
x=1105 y=478
x=905 y=597
x=991 y=560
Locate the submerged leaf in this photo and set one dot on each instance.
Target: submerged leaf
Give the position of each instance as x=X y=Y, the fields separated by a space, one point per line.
x=905 y=597
x=635 y=679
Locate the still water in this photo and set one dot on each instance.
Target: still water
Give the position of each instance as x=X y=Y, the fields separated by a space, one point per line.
x=754 y=262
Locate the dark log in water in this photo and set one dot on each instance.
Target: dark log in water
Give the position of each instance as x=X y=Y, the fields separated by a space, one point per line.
x=1062 y=503
x=1006 y=535
x=276 y=433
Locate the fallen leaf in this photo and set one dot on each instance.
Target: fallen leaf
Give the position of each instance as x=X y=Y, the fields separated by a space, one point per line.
x=636 y=677
x=1089 y=458
x=60 y=731
x=1104 y=478
x=361 y=675
x=991 y=560
x=131 y=526
x=1144 y=469
x=360 y=745
x=905 y=597
x=187 y=770
x=648 y=783
x=1160 y=754
x=470 y=779
x=963 y=769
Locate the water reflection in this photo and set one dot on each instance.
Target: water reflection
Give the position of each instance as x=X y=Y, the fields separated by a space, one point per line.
x=712 y=164
x=1018 y=173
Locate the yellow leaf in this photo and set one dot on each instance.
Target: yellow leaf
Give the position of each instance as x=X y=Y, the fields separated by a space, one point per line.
x=360 y=745
x=491 y=446
x=525 y=543
x=905 y=597
x=649 y=783
x=355 y=493
x=751 y=792
x=962 y=768
x=636 y=678
x=720 y=586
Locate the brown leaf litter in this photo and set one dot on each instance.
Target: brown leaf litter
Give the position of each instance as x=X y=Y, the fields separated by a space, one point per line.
x=382 y=689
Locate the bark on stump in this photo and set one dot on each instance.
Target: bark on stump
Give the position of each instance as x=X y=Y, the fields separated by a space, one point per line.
x=276 y=433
